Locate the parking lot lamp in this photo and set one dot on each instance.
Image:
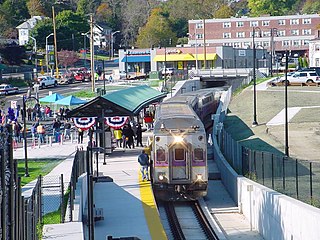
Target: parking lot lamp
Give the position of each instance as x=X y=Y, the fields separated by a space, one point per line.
x=35 y=54
x=85 y=35
x=111 y=52
x=254 y=29
x=286 y=132
x=47 y=56
x=273 y=33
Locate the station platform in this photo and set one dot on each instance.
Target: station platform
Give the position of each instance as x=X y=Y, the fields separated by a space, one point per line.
x=128 y=204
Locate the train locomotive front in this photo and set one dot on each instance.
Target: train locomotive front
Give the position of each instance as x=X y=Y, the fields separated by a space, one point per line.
x=179 y=153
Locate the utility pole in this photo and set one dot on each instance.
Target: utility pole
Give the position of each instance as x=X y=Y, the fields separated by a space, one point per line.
x=55 y=41
x=92 y=52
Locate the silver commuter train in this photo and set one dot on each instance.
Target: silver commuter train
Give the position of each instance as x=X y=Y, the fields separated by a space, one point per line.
x=179 y=147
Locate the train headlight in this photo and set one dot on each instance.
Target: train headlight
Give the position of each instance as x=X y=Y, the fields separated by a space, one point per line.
x=178 y=139
x=199 y=177
x=161 y=176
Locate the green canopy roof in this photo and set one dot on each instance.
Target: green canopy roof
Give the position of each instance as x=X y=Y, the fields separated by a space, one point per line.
x=134 y=98
x=123 y=102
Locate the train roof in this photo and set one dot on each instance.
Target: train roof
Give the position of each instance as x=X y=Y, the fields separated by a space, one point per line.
x=171 y=109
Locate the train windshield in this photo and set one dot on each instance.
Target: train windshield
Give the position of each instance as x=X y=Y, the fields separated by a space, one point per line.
x=161 y=156
x=198 y=154
x=179 y=154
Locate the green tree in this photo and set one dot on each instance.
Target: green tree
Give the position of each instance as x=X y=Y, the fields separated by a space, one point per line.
x=69 y=26
x=155 y=31
x=14 y=12
x=274 y=8
x=12 y=54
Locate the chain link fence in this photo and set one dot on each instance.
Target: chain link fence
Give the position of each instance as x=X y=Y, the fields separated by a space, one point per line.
x=296 y=178
x=22 y=215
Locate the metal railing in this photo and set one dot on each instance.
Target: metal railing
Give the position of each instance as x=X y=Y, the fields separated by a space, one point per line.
x=294 y=177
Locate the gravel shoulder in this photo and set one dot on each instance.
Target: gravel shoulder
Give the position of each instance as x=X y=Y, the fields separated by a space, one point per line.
x=304 y=127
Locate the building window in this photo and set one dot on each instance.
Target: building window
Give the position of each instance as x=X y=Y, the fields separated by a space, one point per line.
x=227 y=44
x=246 y=44
x=266 y=34
x=236 y=44
x=199 y=36
x=265 y=23
x=285 y=43
x=226 y=24
x=239 y=24
x=199 y=25
x=305 y=42
x=296 y=42
x=282 y=22
x=306 y=32
x=294 y=32
x=226 y=35
x=254 y=24
x=266 y=44
x=281 y=33
x=240 y=34
x=294 y=21
x=317 y=62
x=306 y=21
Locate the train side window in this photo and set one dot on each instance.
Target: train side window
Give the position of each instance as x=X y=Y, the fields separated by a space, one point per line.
x=198 y=154
x=179 y=154
x=161 y=155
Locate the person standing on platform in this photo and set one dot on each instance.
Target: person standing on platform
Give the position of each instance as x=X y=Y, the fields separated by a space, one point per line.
x=143 y=159
x=80 y=135
x=118 y=136
x=139 y=135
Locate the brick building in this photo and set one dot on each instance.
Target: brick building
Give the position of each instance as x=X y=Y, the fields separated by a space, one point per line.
x=274 y=33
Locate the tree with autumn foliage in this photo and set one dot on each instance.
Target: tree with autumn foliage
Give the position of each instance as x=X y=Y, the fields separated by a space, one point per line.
x=67 y=58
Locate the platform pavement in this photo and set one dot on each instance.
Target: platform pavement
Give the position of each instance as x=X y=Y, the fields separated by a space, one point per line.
x=218 y=201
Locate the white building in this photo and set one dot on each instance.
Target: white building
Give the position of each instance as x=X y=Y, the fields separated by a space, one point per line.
x=25 y=28
x=314 y=52
x=101 y=36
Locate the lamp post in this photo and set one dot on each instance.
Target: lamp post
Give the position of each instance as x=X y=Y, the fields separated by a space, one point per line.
x=112 y=34
x=254 y=123
x=47 y=59
x=272 y=48
x=35 y=50
x=24 y=99
x=286 y=107
x=126 y=63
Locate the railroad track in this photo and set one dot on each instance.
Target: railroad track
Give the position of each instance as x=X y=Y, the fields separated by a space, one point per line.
x=185 y=220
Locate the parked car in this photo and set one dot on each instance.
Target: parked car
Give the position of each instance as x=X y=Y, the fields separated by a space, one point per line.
x=81 y=74
x=46 y=81
x=301 y=77
x=6 y=89
x=310 y=69
x=66 y=78
x=168 y=71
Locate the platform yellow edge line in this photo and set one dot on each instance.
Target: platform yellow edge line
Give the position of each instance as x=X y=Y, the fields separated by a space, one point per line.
x=150 y=211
